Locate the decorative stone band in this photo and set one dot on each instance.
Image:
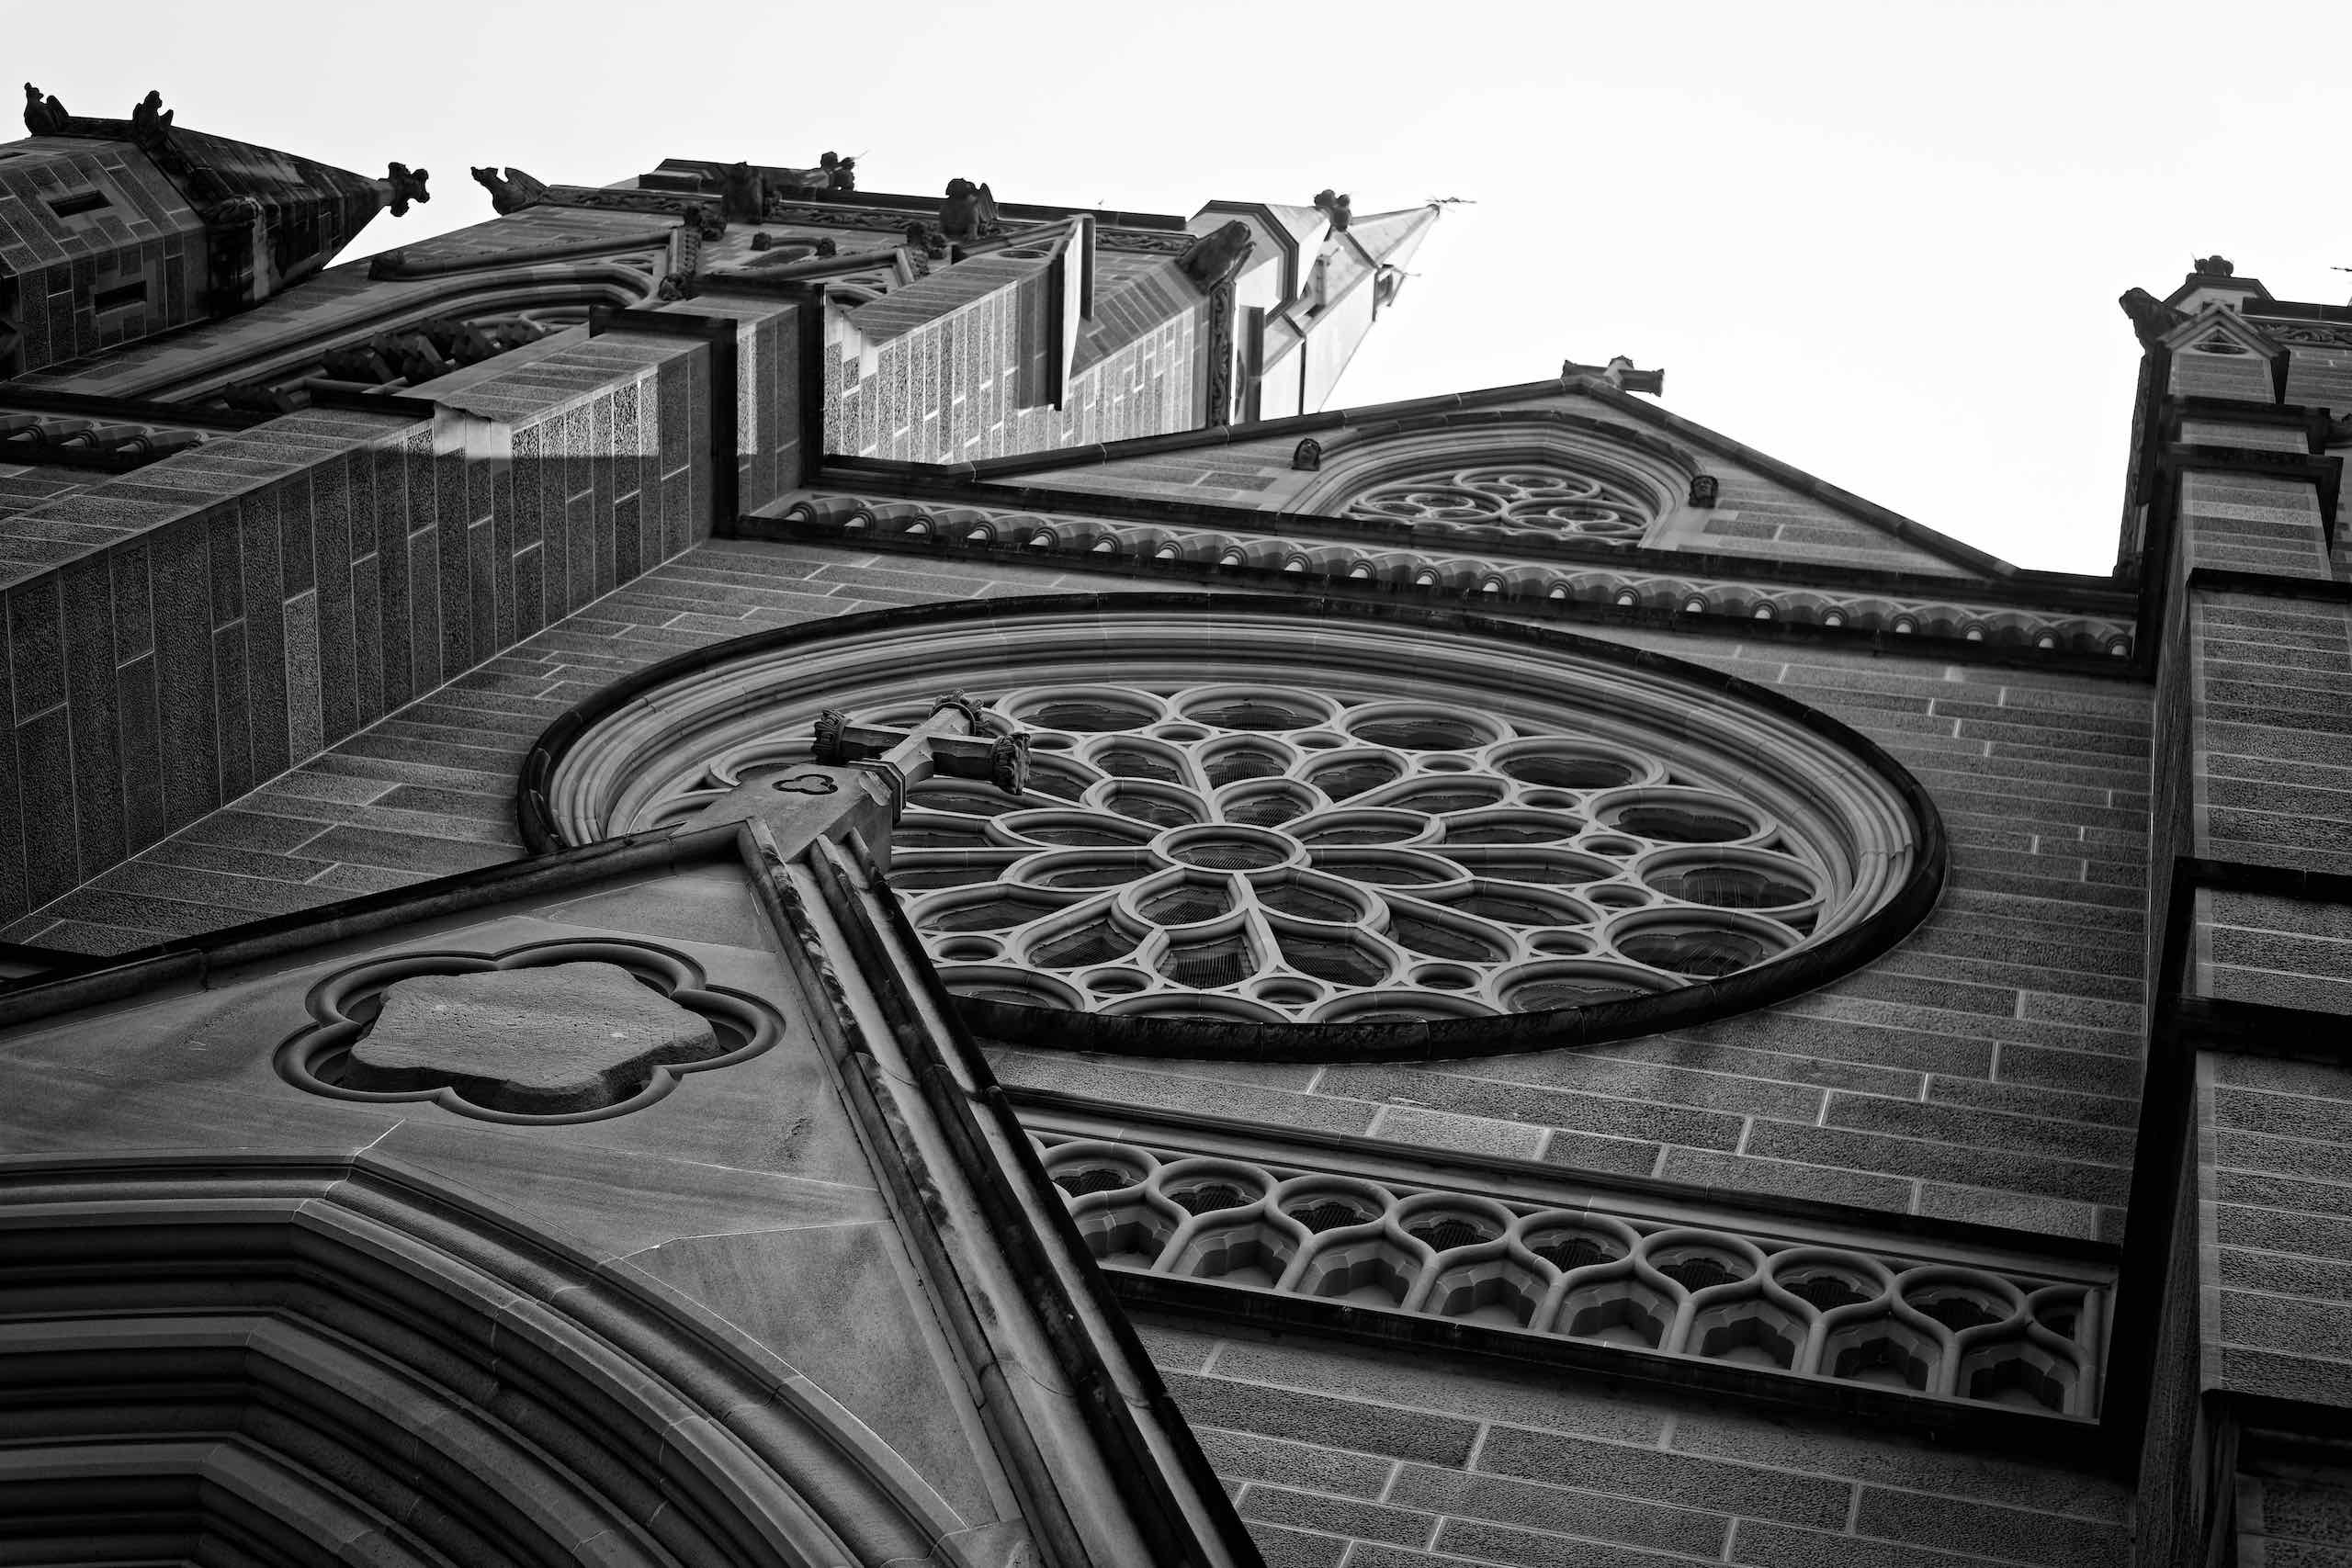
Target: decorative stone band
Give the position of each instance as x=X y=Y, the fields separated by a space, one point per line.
x=2010 y=1335
x=1266 y=827
x=1497 y=580
x=554 y=1031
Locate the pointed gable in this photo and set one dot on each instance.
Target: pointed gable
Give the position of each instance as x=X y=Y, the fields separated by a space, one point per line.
x=781 y=1338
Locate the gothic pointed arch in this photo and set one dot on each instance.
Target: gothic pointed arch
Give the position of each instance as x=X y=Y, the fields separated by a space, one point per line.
x=1500 y=475
x=297 y=1362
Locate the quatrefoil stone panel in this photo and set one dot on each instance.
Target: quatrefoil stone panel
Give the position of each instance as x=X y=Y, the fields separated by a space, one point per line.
x=566 y=1038
x=565 y=1031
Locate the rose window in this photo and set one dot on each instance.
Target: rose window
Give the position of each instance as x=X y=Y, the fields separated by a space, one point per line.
x=1267 y=830
x=1513 y=500
x=1274 y=854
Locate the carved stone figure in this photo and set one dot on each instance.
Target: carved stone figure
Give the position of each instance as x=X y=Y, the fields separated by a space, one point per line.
x=841 y=174
x=1307 y=454
x=832 y=724
x=703 y=222
x=969 y=212
x=1704 y=489
x=151 y=122
x=1336 y=208
x=405 y=184
x=512 y=193
x=744 y=195
x=924 y=240
x=2212 y=266
x=1216 y=258
x=1009 y=763
x=43 y=116
x=2151 y=317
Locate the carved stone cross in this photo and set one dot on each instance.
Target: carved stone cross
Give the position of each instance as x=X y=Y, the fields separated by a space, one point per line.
x=953 y=740
x=863 y=772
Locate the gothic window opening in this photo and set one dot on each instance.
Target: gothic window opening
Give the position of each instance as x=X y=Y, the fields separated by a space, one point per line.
x=1279 y=854
x=1514 y=500
x=1246 y=821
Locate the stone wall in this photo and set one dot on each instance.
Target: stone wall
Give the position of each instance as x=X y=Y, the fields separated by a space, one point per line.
x=285 y=588
x=1337 y=1451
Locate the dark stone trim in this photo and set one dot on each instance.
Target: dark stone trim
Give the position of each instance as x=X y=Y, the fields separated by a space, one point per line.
x=2310 y=422
x=2068 y=1443
x=720 y=333
x=2268 y=584
x=922 y=482
x=1272 y=579
x=1534 y=1181
x=137 y=411
x=1424 y=1040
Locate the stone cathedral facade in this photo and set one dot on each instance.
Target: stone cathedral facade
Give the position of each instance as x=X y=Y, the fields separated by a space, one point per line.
x=739 y=870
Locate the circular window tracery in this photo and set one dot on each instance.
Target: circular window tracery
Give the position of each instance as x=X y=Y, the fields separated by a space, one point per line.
x=1273 y=852
x=1521 y=499
x=1263 y=829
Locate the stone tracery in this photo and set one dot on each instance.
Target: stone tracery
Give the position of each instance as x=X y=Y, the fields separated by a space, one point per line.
x=1514 y=499
x=1307 y=830
x=1273 y=853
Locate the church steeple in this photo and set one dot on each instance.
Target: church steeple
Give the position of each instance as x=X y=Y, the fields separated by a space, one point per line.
x=1318 y=281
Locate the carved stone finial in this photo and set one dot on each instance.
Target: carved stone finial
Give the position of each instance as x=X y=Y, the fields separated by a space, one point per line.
x=1307 y=454
x=151 y=123
x=43 y=116
x=2151 y=317
x=512 y=193
x=2212 y=266
x=1216 y=258
x=400 y=186
x=1336 y=208
x=969 y=212
x=1704 y=489
x=841 y=174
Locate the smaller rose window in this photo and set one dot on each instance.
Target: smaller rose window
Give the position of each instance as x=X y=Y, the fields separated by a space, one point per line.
x=1278 y=854
x=1511 y=500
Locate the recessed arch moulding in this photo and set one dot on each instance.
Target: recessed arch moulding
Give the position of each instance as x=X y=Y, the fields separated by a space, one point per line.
x=1295 y=828
x=1545 y=475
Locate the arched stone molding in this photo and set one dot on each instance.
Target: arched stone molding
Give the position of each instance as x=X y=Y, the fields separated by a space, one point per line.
x=490 y=292
x=1633 y=474
x=1869 y=846
x=327 y=1362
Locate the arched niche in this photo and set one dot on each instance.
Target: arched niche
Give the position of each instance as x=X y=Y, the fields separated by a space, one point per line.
x=276 y=1363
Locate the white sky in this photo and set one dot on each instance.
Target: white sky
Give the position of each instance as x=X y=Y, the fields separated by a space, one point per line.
x=1880 y=241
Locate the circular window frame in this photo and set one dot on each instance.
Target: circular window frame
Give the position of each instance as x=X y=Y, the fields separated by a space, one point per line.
x=983 y=626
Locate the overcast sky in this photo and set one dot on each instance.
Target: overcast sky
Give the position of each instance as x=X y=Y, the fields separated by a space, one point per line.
x=1880 y=241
